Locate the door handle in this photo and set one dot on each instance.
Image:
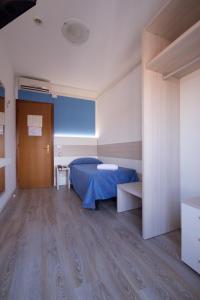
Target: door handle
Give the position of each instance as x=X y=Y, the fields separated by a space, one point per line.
x=47 y=148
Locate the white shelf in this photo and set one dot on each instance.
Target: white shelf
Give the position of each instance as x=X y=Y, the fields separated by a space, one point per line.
x=134 y=188
x=181 y=57
x=175 y=18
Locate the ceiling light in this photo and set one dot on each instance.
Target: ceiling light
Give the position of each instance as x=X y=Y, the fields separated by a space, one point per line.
x=75 y=31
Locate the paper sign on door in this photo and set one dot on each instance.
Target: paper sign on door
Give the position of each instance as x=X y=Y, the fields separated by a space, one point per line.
x=34 y=123
x=35 y=131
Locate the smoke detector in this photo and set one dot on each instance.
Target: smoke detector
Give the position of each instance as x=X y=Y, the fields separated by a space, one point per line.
x=75 y=31
x=37 y=21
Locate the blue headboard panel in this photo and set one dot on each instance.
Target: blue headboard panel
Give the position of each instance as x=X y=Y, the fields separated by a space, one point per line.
x=71 y=116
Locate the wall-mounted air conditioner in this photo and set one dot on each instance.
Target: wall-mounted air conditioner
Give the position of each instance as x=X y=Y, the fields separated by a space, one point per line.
x=34 y=85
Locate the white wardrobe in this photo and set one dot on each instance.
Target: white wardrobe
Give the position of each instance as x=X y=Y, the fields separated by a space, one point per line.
x=171 y=50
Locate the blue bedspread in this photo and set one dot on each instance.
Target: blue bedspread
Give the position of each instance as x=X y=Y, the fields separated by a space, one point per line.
x=92 y=184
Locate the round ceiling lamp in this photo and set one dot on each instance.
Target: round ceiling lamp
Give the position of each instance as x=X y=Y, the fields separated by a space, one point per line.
x=75 y=31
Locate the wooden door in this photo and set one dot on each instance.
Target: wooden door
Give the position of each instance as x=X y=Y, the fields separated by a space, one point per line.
x=2 y=109
x=34 y=153
x=2 y=146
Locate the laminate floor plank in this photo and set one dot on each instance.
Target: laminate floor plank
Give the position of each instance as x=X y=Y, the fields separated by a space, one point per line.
x=136 y=262
x=10 y=238
x=99 y=258
x=171 y=269
x=27 y=274
x=51 y=248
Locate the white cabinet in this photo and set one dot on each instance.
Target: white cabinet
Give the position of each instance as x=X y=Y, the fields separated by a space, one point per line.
x=190 y=215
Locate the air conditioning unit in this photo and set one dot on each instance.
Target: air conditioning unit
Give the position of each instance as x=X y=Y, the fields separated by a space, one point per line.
x=34 y=85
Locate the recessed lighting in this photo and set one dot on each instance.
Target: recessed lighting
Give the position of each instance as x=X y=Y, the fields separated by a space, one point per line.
x=75 y=135
x=75 y=31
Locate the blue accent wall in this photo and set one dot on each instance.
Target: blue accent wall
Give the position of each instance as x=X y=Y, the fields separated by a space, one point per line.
x=71 y=116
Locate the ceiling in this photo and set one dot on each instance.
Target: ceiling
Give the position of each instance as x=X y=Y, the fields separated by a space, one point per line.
x=114 y=45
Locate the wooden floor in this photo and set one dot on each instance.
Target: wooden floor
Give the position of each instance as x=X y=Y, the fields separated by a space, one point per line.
x=51 y=248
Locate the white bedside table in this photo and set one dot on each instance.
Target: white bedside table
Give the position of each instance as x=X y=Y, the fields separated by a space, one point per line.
x=59 y=170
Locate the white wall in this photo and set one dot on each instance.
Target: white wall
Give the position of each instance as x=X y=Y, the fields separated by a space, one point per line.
x=67 y=149
x=190 y=135
x=7 y=78
x=119 y=117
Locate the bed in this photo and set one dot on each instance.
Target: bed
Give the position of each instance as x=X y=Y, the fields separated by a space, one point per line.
x=92 y=184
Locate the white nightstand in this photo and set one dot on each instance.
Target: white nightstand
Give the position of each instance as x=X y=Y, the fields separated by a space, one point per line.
x=59 y=170
x=190 y=219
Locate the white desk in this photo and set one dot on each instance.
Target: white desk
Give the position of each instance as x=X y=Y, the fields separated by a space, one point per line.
x=128 y=195
x=59 y=172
